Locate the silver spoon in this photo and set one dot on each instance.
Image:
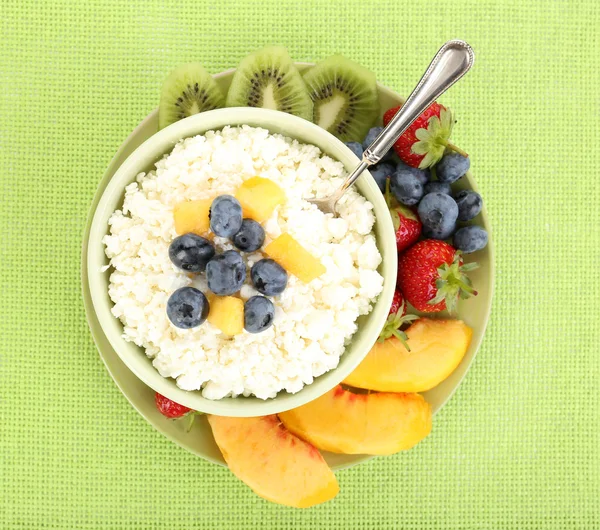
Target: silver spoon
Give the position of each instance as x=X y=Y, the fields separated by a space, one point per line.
x=451 y=62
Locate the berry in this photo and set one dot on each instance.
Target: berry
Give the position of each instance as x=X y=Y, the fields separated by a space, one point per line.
x=167 y=407
x=438 y=213
x=406 y=187
x=424 y=175
x=373 y=133
x=438 y=233
x=268 y=277
x=432 y=277
x=191 y=252
x=226 y=273
x=406 y=224
x=452 y=167
x=470 y=239
x=438 y=187
x=380 y=172
x=398 y=305
x=259 y=313
x=250 y=237
x=356 y=148
x=225 y=216
x=187 y=308
x=469 y=204
x=425 y=141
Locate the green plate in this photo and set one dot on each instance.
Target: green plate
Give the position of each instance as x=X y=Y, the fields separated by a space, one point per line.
x=475 y=312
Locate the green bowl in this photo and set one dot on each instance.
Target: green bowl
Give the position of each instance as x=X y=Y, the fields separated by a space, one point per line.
x=143 y=159
x=199 y=440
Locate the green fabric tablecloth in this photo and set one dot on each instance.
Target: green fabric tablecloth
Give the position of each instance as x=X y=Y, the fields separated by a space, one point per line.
x=519 y=444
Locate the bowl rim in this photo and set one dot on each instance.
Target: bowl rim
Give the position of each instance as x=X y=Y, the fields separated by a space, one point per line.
x=162 y=142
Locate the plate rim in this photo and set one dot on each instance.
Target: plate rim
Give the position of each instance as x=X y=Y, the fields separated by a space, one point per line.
x=95 y=328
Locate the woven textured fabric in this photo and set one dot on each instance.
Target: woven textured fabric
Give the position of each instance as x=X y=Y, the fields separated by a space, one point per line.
x=518 y=446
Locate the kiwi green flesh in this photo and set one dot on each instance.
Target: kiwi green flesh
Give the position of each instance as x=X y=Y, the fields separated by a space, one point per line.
x=188 y=90
x=268 y=79
x=345 y=98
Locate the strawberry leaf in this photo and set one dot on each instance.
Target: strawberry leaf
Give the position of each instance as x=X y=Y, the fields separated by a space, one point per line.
x=191 y=416
x=453 y=283
x=393 y=324
x=434 y=139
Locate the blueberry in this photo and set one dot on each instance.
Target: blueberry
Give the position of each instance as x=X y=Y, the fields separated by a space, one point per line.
x=422 y=174
x=225 y=216
x=259 y=313
x=373 y=133
x=438 y=187
x=187 y=308
x=250 y=237
x=268 y=277
x=191 y=252
x=380 y=172
x=451 y=167
x=470 y=239
x=438 y=213
x=469 y=204
x=356 y=148
x=406 y=187
x=438 y=233
x=226 y=273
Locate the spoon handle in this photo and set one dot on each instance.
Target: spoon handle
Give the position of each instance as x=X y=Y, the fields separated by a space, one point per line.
x=451 y=62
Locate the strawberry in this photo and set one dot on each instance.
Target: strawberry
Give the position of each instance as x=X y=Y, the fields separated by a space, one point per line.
x=424 y=142
x=398 y=305
x=396 y=319
x=169 y=408
x=407 y=224
x=432 y=276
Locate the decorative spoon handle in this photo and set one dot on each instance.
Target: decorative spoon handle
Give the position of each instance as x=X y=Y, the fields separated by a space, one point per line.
x=451 y=62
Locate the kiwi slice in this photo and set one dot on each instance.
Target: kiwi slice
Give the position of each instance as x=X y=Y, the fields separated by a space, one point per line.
x=268 y=79
x=188 y=90
x=344 y=96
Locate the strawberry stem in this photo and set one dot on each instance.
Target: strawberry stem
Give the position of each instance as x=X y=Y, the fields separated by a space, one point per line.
x=458 y=150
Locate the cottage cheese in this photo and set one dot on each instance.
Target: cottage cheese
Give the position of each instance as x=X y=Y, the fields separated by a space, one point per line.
x=313 y=322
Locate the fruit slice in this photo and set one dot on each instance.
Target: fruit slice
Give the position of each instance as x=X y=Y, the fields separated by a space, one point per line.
x=345 y=97
x=374 y=424
x=268 y=79
x=192 y=216
x=276 y=465
x=259 y=197
x=227 y=314
x=294 y=258
x=188 y=90
x=436 y=349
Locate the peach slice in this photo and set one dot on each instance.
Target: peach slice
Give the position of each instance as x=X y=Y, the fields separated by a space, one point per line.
x=192 y=216
x=259 y=197
x=341 y=421
x=294 y=258
x=277 y=465
x=436 y=349
x=227 y=314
